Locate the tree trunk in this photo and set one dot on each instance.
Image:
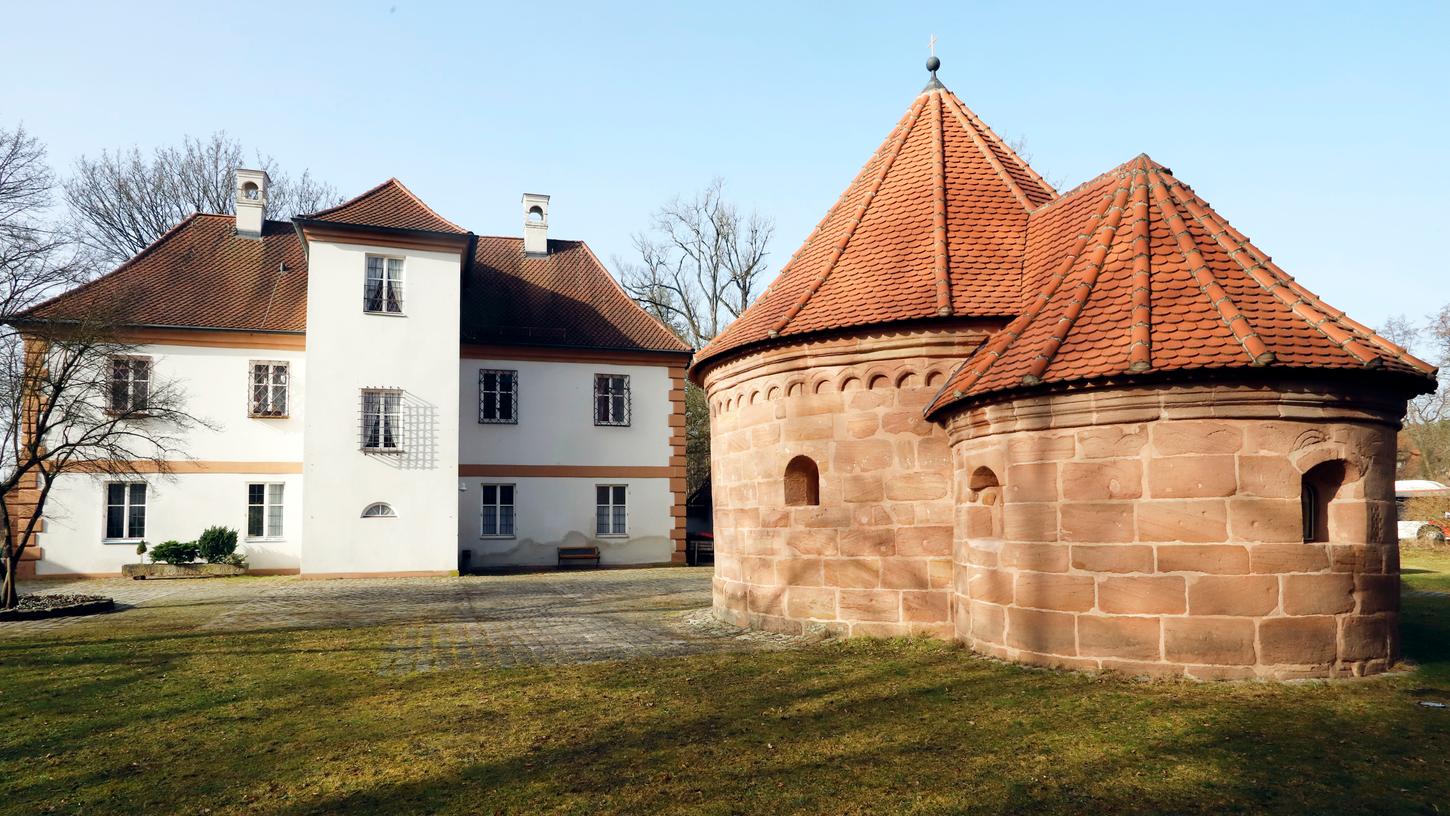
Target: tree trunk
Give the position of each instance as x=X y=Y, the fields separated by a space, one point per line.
x=9 y=596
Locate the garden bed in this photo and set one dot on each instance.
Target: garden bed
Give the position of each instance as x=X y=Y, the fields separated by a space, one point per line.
x=34 y=607
x=142 y=571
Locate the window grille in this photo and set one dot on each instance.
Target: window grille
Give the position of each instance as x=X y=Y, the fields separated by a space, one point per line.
x=383 y=289
x=130 y=383
x=125 y=510
x=610 y=511
x=264 y=510
x=611 y=399
x=498 y=510
x=498 y=396
x=379 y=510
x=382 y=420
x=268 y=389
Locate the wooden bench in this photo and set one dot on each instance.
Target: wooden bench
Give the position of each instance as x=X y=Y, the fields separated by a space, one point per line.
x=575 y=555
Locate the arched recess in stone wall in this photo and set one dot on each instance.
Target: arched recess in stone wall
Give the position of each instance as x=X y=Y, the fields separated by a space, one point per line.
x=802 y=482
x=985 y=492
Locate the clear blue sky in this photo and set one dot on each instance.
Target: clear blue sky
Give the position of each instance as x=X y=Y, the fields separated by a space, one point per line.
x=1318 y=128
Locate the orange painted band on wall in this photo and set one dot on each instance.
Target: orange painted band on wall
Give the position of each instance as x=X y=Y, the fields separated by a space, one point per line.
x=570 y=471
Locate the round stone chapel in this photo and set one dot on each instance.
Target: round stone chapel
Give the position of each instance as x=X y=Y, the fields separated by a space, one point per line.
x=1092 y=430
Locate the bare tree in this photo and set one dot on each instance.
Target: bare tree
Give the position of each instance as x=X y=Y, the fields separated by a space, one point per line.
x=700 y=265
x=698 y=269
x=121 y=202
x=58 y=412
x=1427 y=417
x=1020 y=146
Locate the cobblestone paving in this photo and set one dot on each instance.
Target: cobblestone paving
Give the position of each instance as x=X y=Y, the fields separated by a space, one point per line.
x=519 y=620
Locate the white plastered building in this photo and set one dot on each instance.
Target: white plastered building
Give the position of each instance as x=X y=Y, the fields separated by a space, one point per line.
x=387 y=394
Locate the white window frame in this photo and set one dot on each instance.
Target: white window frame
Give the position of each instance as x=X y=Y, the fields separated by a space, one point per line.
x=131 y=380
x=385 y=511
x=500 y=396
x=611 y=420
x=386 y=397
x=391 y=269
x=497 y=507
x=127 y=505
x=273 y=497
x=272 y=393
x=618 y=524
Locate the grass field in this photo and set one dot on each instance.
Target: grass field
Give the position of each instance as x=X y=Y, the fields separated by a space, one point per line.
x=158 y=718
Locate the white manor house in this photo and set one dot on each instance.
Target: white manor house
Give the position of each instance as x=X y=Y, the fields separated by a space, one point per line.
x=389 y=394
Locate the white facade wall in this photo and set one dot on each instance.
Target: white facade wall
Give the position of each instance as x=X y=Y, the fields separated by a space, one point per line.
x=556 y=417
x=215 y=383
x=349 y=350
x=177 y=507
x=556 y=431
x=559 y=512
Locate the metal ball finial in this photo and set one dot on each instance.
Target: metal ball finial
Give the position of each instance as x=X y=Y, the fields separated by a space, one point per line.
x=932 y=64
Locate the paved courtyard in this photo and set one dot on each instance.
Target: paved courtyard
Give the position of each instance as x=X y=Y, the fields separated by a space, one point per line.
x=515 y=620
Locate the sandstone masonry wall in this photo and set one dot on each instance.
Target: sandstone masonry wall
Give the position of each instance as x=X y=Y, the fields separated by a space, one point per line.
x=1159 y=531
x=875 y=556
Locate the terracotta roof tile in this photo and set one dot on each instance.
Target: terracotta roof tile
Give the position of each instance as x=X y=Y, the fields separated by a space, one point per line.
x=200 y=274
x=934 y=225
x=1133 y=273
x=566 y=298
x=389 y=205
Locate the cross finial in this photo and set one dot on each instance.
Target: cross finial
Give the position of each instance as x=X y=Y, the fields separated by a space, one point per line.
x=932 y=63
x=931 y=45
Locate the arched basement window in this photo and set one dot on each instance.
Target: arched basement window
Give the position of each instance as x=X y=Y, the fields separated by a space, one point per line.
x=802 y=482
x=379 y=510
x=1318 y=488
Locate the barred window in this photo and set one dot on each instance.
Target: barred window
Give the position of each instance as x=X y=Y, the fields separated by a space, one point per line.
x=498 y=396
x=264 y=510
x=125 y=510
x=268 y=389
x=611 y=399
x=382 y=420
x=130 y=383
x=610 y=511
x=498 y=510
x=383 y=290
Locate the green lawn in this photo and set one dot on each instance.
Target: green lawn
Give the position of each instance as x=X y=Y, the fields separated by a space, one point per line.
x=159 y=718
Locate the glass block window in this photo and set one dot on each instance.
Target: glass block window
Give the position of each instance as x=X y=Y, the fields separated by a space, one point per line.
x=268 y=392
x=130 y=383
x=383 y=289
x=125 y=510
x=610 y=511
x=498 y=510
x=382 y=420
x=611 y=399
x=264 y=510
x=498 y=396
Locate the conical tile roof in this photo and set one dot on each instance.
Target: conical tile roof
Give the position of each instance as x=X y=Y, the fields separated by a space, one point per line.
x=934 y=225
x=1133 y=273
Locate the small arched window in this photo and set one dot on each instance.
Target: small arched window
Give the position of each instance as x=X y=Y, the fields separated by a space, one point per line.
x=1317 y=489
x=251 y=191
x=536 y=214
x=802 y=482
x=986 y=492
x=379 y=510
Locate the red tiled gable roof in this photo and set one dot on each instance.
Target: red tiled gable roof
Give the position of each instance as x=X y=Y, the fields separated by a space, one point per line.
x=934 y=225
x=1133 y=274
x=200 y=274
x=389 y=205
x=566 y=298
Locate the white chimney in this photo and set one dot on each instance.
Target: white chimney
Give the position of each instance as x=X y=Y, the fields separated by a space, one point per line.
x=536 y=225
x=251 y=202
